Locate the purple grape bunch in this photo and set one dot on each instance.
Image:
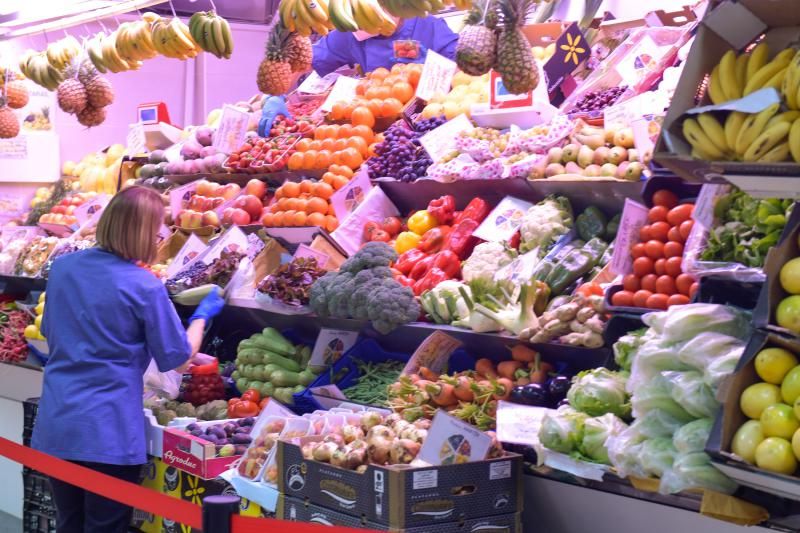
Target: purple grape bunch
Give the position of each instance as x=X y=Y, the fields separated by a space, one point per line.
x=400 y=155
x=599 y=100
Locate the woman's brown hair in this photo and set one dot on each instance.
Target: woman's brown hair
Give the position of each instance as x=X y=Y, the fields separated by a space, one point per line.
x=129 y=225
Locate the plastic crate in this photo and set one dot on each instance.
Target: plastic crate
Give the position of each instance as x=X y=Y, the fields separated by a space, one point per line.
x=347 y=371
x=38 y=507
x=36 y=522
x=29 y=408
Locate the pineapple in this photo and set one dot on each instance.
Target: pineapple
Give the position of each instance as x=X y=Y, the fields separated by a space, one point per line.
x=16 y=94
x=71 y=96
x=9 y=124
x=298 y=52
x=92 y=116
x=515 y=61
x=275 y=72
x=476 y=50
x=99 y=91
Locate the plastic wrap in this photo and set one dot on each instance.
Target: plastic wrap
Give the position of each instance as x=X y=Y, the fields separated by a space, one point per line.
x=684 y=322
x=624 y=450
x=562 y=429
x=596 y=432
x=695 y=471
x=658 y=423
x=656 y=394
x=656 y=456
x=690 y=392
x=692 y=437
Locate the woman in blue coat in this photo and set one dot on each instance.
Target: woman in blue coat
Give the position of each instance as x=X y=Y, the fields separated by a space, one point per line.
x=105 y=319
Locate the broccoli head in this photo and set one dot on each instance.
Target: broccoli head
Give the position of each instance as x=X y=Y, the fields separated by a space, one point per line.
x=359 y=298
x=318 y=298
x=338 y=294
x=390 y=304
x=372 y=254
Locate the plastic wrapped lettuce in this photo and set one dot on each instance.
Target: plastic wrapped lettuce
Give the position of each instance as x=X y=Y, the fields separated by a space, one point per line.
x=692 y=437
x=596 y=432
x=658 y=424
x=657 y=455
x=626 y=346
x=707 y=347
x=690 y=392
x=683 y=322
x=695 y=471
x=656 y=394
x=562 y=429
x=624 y=450
x=720 y=368
x=599 y=391
x=652 y=358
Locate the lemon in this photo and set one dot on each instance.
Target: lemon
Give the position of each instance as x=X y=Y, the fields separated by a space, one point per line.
x=758 y=397
x=39 y=309
x=38 y=322
x=796 y=443
x=31 y=332
x=778 y=420
x=772 y=364
x=790 y=276
x=776 y=455
x=42 y=297
x=746 y=440
x=790 y=386
x=787 y=314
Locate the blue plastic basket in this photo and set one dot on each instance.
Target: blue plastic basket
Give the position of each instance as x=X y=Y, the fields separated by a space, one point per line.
x=347 y=371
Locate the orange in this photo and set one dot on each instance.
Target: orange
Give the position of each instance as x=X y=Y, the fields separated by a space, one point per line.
x=403 y=91
x=362 y=116
x=315 y=145
x=318 y=133
x=371 y=150
x=303 y=145
x=397 y=68
x=351 y=158
x=359 y=144
x=300 y=204
x=413 y=75
x=306 y=186
x=328 y=177
x=316 y=205
x=278 y=193
x=290 y=204
x=347 y=172
x=295 y=161
x=391 y=80
x=371 y=92
x=392 y=107
x=327 y=144
x=374 y=106
x=267 y=219
x=309 y=158
x=384 y=92
x=288 y=216
x=283 y=204
x=323 y=160
x=331 y=223
x=378 y=138
x=277 y=219
x=345 y=130
x=379 y=73
x=338 y=182
x=291 y=189
x=299 y=219
x=274 y=208
x=364 y=131
x=331 y=210
x=337 y=111
x=323 y=190
x=339 y=145
x=361 y=87
x=316 y=219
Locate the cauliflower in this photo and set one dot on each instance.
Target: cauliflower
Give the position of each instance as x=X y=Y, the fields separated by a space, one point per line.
x=544 y=223
x=486 y=259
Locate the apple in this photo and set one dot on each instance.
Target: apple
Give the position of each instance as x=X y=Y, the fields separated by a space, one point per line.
x=633 y=154
x=624 y=138
x=621 y=169
x=215 y=190
x=193 y=220
x=601 y=155
x=230 y=191
x=570 y=152
x=538 y=171
x=256 y=187
x=554 y=155
x=227 y=216
x=251 y=204
x=210 y=218
x=617 y=155
x=585 y=156
x=609 y=169
x=240 y=217
x=554 y=169
x=634 y=171
x=572 y=168
x=592 y=171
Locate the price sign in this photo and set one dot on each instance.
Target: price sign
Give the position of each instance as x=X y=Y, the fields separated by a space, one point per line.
x=519 y=424
x=434 y=352
x=330 y=346
x=232 y=129
x=634 y=216
x=442 y=140
x=314 y=84
x=437 y=75
x=504 y=220
x=344 y=90
x=303 y=250
x=136 y=141
x=349 y=197
x=502 y=98
x=451 y=441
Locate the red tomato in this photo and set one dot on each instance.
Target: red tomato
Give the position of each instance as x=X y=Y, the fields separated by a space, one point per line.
x=677 y=299
x=693 y=289
x=631 y=283
x=642 y=266
x=648 y=282
x=263 y=403
x=245 y=408
x=657 y=213
x=622 y=299
x=674 y=234
x=673 y=267
x=659 y=231
x=380 y=235
x=683 y=283
x=666 y=285
x=638 y=250
x=644 y=233
x=640 y=298
x=657 y=301
x=666 y=198
x=686 y=228
x=654 y=249
x=369 y=228
x=251 y=395
x=673 y=249
x=660 y=266
x=680 y=214
x=392 y=225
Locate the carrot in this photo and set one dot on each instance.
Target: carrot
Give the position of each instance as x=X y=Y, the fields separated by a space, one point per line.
x=522 y=353
x=507 y=369
x=463 y=389
x=426 y=373
x=540 y=370
x=486 y=367
x=442 y=394
x=502 y=389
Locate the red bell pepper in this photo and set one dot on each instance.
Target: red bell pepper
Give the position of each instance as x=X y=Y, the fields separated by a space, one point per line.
x=433 y=239
x=408 y=259
x=461 y=240
x=449 y=263
x=476 y=210
x=443 y=209
x=514 y=242
x=202 y=370
x=422 y=267
x=431 y=279
x=404 y=281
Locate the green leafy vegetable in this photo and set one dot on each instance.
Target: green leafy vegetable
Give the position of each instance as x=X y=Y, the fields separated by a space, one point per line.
x=595 y=434
x=600 y=391
x=562 y=430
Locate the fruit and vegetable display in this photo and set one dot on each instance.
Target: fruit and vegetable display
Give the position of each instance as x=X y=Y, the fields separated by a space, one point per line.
x=34 y=331
x=372 y=385
x=167 y=410
x=34 y=256
x=291 y=283
x=219 y=272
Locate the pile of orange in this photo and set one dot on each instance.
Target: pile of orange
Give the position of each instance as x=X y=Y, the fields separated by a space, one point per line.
x=334 y=145
x=306 y=203
x=381 y=94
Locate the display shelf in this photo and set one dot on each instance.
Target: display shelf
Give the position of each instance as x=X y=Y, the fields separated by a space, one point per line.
x=273 y=178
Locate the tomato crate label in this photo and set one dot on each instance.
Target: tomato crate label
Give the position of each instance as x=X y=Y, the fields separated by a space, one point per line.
x=634 y=216
x=452 y=441
x=232 y=129
x=437 y=75
x=442 y=140
x=349 y=197
x=504 y=220
x=344 y=90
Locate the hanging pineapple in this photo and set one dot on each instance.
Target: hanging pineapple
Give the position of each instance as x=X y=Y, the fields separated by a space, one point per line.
x=298 y=52
x=476 y=50
x=275 y=72
x=515 y=61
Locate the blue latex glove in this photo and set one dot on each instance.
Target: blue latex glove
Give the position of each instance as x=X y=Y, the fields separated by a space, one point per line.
x=274 y=106
x=209 y=307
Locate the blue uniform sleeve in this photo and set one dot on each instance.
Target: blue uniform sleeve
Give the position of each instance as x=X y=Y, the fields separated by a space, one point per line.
x=331 y=52
x=444 y=40
x=166 y=338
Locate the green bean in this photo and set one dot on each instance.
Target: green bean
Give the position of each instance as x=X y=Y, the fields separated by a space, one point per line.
x=371 y=386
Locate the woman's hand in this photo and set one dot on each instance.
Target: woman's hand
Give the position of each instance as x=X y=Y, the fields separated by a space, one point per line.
x=209 y=307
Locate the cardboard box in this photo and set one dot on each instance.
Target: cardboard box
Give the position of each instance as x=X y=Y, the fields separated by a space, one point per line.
x=731 y=417
x=729 y=26
x=293 y=509
x=404 y=497
x=154 y=434
x=193 y=454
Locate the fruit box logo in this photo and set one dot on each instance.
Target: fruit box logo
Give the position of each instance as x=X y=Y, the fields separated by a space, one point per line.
x=187 y=462
x=571 y=51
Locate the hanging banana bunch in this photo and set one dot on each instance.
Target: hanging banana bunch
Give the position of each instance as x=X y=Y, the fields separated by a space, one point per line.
x=37 y=67
x=212 y=33
x=305 y=16
x=173 y=39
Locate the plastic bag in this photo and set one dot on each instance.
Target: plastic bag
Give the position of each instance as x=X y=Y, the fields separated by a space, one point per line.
x=624 y=450
x=695 y=471
x=707 y=347
x=658 y=424
x=161 y=384
x=652 y=358
x=562 y=429
x=693 y=436
x=720 y=368
x=657 y=455
x=683 y=322
x=626 y=347
x=690 y=392
x=596 y=432
x=657 y=395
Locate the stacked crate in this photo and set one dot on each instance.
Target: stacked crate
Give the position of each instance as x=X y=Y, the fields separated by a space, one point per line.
x=39 y=509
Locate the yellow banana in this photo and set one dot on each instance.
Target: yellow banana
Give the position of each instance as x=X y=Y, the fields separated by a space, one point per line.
x=766 y=73
x=713 y=130
x=715 y=91
x=699 y=140
x=794 y=141
x=733 y=125
x=699 y=153
x=758 y=58
x=741 y=70
x=778 y=154
x=727 y=72
x=776 y=81
x=786 y=116
x=791 y=83
x=767 y=141
x=753 y=126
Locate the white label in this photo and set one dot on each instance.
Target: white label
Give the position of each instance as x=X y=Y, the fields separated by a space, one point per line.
x=349 y=197
x=233 y=240
x=437 y=75
x=136 y=141
x=451 y=441
x=441 y=141
x=520 y=270
x=519 y=424
x=232 y=129
x=163 y=232
x=344 y=90
x=634 y=216
x=303 y=250
x=500 y=470
x=433 y=353
x=427 y=479
x=91 y=208
x=197 y=449
x=703 y=213
x=189 y=252
x=329 y=391
x=331 y=345
x=179 y=197
x=16 y=148
x=313 y=84
x=622 y=115
x=504 y=220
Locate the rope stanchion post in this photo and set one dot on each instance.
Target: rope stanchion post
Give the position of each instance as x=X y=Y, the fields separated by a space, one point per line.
x=218 y=512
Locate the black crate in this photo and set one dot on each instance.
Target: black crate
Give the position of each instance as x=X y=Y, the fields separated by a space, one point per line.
x=36 y=522
x=38 y=507
x=30 y=407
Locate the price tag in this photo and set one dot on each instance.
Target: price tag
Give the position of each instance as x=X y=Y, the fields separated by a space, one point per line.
x=519 y=424
x=349 y=197
x=442 y=140
x=437 y=75
x=502 y=98
x=330 y=346
x=703 y=213
x=313 y=84
x=645 y=134
x=304 y=250
x=232 y=129
x=180 y=196
x=188 y=253
x=620 y=116
x=163 y=232
x=433 y=353
x=344 y=90
x=504 y=220
x=634 y=216
x=451 y=441
x=91 y=209
x=136 y=141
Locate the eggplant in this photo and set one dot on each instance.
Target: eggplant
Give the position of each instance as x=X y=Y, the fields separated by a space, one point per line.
x=517 y=395
x=249 y=421
x=563 y=402
x=536 y=395
x=558 y=387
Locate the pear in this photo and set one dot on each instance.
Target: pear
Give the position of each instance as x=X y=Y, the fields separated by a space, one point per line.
x=634 y=171
x=592 y=171
x=572 y=168
x=570 y=153
x=554 y=169
x=624 y=138
x=617 y=155
x=585 y=156
x=601 y=155
x=554 y=155
x=609 y=170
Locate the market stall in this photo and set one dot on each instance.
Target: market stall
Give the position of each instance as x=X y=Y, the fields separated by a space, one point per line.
x=544 y=279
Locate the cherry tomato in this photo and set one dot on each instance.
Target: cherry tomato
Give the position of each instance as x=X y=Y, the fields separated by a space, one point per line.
x=677 y=299
x=648 y=282
x=657 y=213
x=657 y=301
x=693 y=289
x=674 y=234
x=644 y=233
x=631 y=283
x=640 y=298
x=680 y=214
x=659 y=231
x=622 y=299
x=660 y=266
x=673 y=267
x=683 y=282
x=642 y=266
x=654 y=249
x=638 y=250
x=685 y=228
x=673 y=249
x=666 y=285
x=666 y=198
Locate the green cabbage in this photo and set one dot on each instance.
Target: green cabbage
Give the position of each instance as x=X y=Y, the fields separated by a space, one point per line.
x=657 y=424
x=596 y=432
x=693 y=436
x=562 y=429
x=683 y=322
x=695 y=471
x=626 y=346
x=657 y=455
x=600 y=391
x=690 y=392
x=656 y=395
